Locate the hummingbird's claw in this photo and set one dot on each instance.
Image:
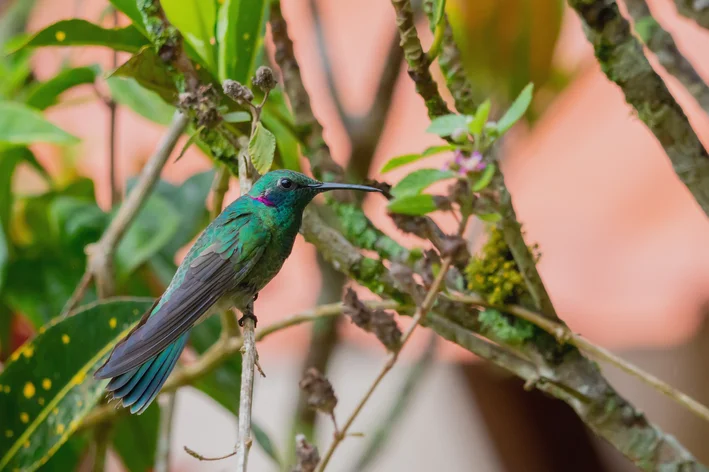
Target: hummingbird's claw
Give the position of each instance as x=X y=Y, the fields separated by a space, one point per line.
x=247 y=316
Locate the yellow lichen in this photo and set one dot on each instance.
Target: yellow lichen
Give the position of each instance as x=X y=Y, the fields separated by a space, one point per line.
x=112 y=323
x=60 y=428
x=24 y=417
x=60 y=35
x=28 y=350
x=29 y=390
x=46 y=384
x=65 y=338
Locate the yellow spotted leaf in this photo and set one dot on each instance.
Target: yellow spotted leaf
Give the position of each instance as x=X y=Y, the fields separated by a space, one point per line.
x=48 y=385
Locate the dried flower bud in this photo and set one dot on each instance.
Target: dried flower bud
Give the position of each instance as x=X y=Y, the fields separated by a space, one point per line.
x=237 y=92
x=264 y=79
x=379 y=322
x=306 y=454
x=321 y=396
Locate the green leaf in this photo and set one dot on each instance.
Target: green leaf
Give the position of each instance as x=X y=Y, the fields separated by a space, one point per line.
x=516 y=111
x=146 y=103
x=400 y=161
x=448 y=124
x=130 y=9
x=83 y=33
x=478 y=122
x=430 y=151
x=414 y=205
x=419 y=180
x=196 y=20
x=263 y=440
x=486 y=177
x=135 y=439
x=224 y=383
x=20 y=124
x=43 y=402
x=45 y=94
x=262 y=146
x=151 y=73
x=439 y=10
x=490 y=217
x=237 y=117
x=240 y=30
x=154 y=227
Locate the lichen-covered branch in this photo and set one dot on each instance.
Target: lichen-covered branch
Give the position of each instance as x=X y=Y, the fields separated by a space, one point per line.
x=417 y=59
x=661 y=43
x=623 y=61
x=697 y=10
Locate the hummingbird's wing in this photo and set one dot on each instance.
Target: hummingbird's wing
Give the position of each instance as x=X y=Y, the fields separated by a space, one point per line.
x=216 y=271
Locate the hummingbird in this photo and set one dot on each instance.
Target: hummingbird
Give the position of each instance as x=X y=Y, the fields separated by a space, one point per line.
x=232 y=260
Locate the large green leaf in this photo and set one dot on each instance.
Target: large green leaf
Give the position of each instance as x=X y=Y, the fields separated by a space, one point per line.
x=20 y=124
x=48 y=386
x=135 y=439
x=196 y=20
x=130 y=9
x=148 y=104
x=45 y=94
x=413 y=204
x=150 y=72
x=154 y=227
x=240 y=31
x=419 y=180
x=83 y=33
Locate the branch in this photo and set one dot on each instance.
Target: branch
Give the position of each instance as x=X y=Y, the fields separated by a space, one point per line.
x=162 y=455
x=317 y=150
x=112 y=109
x=660 y=42
x=225 y=348
x=417 y=59
x=249 y=355
x=420 y=314
x=622 y=59
x=697 y=10
x=563 y=335
x=100 y=254
x=403 y=399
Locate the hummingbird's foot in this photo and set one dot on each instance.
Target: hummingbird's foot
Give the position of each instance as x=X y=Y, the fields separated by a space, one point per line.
x=248 y=316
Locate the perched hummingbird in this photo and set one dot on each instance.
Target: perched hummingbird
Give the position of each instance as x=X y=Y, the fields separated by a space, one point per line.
x=235 y=257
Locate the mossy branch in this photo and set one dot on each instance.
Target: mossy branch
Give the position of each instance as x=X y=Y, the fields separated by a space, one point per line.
x=624 y=63
x=661 y=43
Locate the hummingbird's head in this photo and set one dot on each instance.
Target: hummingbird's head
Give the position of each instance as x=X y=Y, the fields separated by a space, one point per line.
x=287 y=188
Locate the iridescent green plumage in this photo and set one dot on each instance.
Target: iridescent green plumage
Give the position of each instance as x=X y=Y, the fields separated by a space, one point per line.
x=231 y=261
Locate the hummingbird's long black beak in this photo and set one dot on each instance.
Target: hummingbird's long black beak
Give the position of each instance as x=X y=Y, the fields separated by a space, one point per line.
x=327 y=186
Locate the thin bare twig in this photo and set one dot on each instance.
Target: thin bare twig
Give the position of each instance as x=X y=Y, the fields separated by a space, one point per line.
x=112 y=109
x=162 y=455
x=249 y=355
x=100 y=254
x=403 y=399
x=419 y=315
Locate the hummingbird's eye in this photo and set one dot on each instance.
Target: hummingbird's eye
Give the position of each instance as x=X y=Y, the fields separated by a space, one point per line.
x=285 y=184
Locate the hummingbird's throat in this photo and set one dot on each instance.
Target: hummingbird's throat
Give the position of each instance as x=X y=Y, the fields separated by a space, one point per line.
x=263 y=199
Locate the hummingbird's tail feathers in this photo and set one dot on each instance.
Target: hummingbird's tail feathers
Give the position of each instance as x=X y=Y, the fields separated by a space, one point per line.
x=138 y=388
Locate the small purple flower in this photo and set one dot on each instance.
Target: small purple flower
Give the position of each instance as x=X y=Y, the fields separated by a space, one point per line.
x=474 y=163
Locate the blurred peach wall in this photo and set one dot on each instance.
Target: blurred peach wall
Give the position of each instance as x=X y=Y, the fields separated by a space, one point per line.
x=625 y=250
